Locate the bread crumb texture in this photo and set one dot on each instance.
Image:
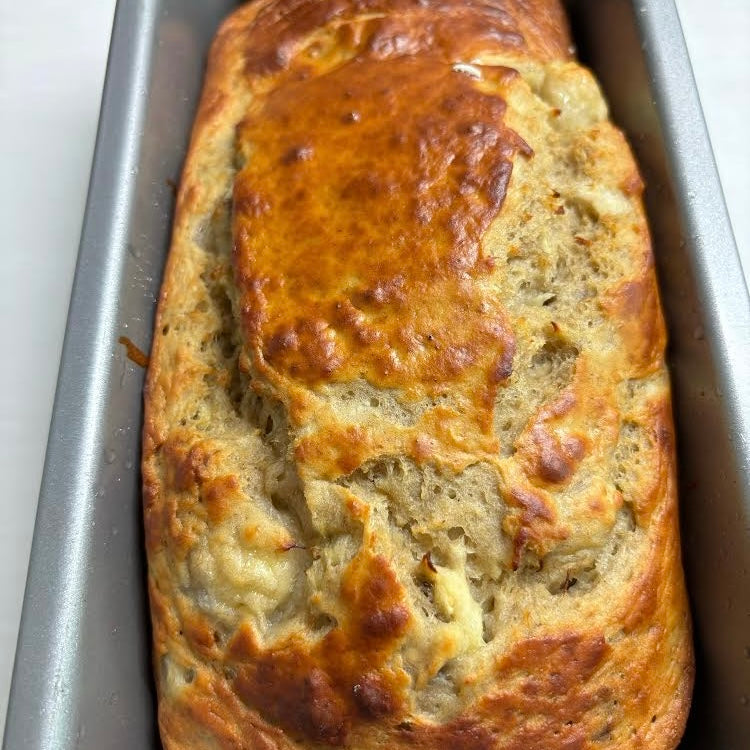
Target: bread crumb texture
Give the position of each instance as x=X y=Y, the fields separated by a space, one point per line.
x=408 y=453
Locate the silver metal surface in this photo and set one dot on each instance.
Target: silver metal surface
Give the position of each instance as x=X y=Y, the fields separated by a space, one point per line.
x=639 y=54
x=82 y=676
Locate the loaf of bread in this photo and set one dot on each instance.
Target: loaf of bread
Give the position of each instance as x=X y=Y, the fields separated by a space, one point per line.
x=408 y=461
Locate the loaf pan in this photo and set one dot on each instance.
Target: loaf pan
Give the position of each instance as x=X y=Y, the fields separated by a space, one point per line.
x=82 y=676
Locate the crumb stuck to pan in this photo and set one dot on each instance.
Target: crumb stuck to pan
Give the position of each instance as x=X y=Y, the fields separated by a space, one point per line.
x=133 y=353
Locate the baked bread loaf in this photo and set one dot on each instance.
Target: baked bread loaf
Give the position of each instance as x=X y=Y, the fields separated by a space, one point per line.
x=408 y=460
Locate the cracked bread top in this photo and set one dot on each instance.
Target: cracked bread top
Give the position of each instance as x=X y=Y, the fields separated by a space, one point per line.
x=408 y=452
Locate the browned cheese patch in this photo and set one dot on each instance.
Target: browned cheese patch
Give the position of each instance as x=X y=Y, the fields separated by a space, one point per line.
x=317 y=693
x=353 y=218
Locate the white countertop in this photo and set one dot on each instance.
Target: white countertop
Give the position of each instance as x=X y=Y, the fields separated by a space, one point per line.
x=52 y=64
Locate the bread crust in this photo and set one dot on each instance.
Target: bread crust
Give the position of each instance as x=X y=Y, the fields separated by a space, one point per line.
x=475 y=542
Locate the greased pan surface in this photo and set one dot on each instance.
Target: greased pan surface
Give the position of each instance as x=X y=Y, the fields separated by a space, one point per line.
x=83 y=675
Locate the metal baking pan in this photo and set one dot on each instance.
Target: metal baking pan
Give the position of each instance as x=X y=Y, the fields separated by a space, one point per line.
x=82 y=676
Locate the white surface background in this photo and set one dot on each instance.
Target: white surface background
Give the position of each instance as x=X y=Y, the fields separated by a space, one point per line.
x=52 y=62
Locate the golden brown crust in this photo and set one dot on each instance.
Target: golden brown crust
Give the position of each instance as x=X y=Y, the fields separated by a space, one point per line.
x=408 y=452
